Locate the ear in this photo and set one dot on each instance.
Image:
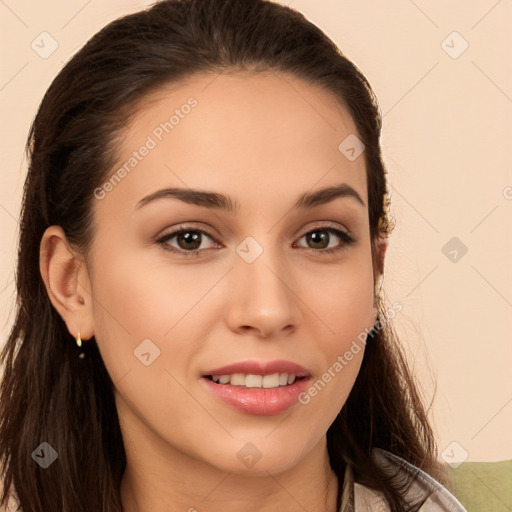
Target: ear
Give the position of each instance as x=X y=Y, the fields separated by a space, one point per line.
x=380 y=246
x=67 y=282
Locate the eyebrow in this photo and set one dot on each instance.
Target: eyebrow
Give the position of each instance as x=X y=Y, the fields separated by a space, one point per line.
x=222 y=202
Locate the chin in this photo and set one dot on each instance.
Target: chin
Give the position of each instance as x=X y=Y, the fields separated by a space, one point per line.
x=258 y=457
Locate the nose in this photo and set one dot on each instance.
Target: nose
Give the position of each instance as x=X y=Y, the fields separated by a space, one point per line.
x=262 y=300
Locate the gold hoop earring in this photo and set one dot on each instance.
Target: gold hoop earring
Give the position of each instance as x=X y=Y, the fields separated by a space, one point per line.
x=79 y=340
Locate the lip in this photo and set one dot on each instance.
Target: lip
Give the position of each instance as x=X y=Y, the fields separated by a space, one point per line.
x=257 y=401
x=254 y=367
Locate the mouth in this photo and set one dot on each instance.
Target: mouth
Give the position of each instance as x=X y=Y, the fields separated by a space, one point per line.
x=252 y=373
x=272 y=381
x=255 y=394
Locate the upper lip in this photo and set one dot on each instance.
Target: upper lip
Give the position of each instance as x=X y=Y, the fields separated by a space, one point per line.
x=253 y=367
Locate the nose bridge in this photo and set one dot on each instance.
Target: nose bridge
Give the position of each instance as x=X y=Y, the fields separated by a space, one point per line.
x=262 y=294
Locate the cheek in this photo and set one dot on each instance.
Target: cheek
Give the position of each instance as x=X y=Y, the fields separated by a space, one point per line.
x=143 y=297
x=342 y=301
x=342 y=297
x=147 y=318
x=137 y=299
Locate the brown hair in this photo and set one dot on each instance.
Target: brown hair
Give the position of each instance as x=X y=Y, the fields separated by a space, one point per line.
x=47 y=393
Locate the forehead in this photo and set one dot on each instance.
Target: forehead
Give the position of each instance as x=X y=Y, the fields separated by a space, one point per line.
x=244 y=134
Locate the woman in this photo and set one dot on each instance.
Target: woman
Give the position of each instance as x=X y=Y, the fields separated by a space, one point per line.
x=200 y=324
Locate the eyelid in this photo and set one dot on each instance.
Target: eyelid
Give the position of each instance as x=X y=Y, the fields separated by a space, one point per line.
x=324 y=225
x=186 y=227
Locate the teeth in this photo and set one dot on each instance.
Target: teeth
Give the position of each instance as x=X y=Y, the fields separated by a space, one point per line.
x=256 y=381
x=237 y=379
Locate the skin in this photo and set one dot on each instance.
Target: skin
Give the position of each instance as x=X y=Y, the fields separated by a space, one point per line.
x=263 y=140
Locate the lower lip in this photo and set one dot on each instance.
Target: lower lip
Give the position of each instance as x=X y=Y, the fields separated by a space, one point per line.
x=258 y=401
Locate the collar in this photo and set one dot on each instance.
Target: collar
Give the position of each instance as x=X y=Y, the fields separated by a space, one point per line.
x=358 y=498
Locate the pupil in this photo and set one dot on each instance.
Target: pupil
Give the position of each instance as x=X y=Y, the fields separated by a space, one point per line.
x=189 y=237
x=320 y=239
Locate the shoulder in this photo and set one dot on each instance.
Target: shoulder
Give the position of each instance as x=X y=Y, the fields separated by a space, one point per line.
x=423 y=487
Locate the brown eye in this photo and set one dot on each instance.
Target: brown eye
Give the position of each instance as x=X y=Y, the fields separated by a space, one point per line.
x=318 y=239
x=189 y=240
x=327 y=240
x=186 y=241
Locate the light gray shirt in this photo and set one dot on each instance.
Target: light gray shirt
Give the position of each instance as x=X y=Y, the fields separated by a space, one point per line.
x=358 y=498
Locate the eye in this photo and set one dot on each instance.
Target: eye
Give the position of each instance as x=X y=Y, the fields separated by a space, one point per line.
x=186 y=241
x=189 y=241
x=321 y=240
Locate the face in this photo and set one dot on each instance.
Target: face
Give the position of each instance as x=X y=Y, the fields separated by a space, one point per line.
x=258 y=275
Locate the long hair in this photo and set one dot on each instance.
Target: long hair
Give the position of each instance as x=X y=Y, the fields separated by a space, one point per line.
x=50 y=395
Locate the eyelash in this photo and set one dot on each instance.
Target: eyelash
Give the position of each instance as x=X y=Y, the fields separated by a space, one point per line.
x=344 y=236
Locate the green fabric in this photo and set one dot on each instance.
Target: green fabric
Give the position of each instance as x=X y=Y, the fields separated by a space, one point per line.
x=483 y=486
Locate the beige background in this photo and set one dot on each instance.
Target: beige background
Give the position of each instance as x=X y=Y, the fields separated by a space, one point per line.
x=446 y=142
